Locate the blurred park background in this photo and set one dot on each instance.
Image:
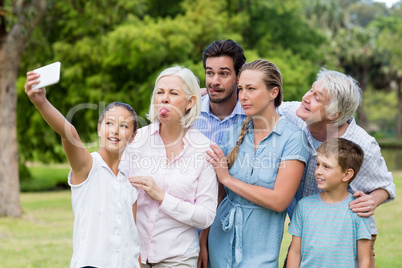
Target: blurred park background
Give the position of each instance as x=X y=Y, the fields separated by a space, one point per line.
x=114 y=49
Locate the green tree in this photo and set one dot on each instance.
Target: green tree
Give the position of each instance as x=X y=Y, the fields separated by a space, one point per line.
x=362 y=13
x=71 y=33
x=327 y=15
x=389 y=41
x=17 y=21
x=358 y=54
x=114 y=49
x=114 y=58
x=272 y=25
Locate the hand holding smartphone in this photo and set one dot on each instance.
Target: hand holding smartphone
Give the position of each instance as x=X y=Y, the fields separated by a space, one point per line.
x=49 y=75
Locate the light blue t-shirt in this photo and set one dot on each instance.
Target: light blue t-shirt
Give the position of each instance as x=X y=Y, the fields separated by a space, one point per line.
x=244 y=234
x=329 y=232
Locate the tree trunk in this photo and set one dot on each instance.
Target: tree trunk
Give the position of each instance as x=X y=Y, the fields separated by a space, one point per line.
x=399 y=115
x=12 y=45
x=9 y=183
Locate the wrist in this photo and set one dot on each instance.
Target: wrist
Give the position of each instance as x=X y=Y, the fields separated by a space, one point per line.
x=161 y=197
x=40 y=104
x=379 y=196
x=225 y=179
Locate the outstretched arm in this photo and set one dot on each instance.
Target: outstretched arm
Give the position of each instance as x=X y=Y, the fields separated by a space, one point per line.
x=79 y=158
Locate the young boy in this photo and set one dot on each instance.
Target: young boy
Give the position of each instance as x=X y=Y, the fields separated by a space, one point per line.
x=326 y=233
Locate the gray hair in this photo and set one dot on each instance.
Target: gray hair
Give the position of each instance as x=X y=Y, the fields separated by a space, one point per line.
x=344 y=93
x=191 y=87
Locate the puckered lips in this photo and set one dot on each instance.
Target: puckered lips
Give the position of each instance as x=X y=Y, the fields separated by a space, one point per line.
x=164 y=111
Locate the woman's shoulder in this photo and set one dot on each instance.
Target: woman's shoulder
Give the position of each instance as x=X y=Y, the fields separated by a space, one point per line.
x=289 y=124
x=290 y=129
x=236 y=127
x=97 y=158
x=233 y=131
x=142 y=136
x=146 y=129
x=97 y=162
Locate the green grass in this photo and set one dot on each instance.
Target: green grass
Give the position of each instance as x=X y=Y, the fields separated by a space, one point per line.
x=46 y=178
x=42 y=237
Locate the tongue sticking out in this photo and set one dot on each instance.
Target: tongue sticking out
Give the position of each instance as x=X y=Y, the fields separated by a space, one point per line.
x=163 y=112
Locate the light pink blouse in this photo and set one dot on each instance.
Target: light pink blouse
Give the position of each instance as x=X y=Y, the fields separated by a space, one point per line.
x=170 y=229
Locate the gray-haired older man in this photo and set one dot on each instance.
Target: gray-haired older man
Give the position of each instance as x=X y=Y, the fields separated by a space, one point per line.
x=326 y=112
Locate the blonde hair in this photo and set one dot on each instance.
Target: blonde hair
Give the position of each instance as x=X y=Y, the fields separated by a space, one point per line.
x=231 y=158
x=191 y=87
x=272 y=78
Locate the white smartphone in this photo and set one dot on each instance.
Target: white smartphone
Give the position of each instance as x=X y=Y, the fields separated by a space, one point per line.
x=49 y=75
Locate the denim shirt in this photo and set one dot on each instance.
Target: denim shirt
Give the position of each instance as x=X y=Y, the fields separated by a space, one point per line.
x=245 y=234
x=260 y=167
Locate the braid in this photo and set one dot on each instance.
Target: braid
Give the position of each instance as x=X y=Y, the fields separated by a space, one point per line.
x=235 y=151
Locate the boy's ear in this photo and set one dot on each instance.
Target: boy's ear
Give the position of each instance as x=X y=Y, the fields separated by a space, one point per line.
x=348 y=175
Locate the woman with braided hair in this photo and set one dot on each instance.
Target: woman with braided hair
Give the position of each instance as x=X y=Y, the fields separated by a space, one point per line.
x=264 y=163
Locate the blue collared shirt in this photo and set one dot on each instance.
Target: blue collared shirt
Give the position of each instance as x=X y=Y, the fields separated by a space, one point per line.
x=245 y=234
x=211 y=126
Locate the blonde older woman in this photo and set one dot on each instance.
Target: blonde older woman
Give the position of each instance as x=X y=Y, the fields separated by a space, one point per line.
x=178 y=187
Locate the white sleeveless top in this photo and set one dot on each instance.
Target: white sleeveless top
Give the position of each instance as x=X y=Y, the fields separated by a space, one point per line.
x=105 y=234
